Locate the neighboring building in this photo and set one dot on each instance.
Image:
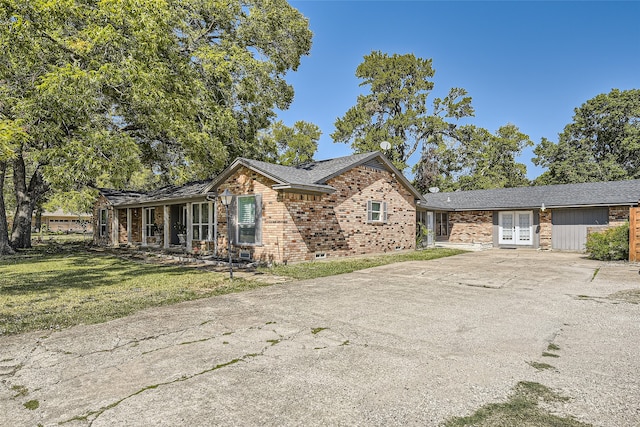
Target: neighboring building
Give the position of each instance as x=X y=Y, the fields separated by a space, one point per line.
x=67 y=222
x=351 y=205
x=548 y=217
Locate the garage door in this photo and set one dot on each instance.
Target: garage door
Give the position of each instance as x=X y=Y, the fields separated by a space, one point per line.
x=569 y=231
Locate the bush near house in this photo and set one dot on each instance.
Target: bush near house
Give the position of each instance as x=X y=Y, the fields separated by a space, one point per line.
x=609 y=245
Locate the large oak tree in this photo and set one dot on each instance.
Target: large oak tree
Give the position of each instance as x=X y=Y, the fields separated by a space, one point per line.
x=91 y=91
x=396 y=109
x=601 y=144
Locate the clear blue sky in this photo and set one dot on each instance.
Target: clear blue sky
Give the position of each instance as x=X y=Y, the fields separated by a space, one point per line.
x=526 y=63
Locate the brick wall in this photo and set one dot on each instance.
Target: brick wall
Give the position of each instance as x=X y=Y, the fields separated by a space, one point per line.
x=296 y=227
x=545 y=229
x=471 y=227
x=618 y=215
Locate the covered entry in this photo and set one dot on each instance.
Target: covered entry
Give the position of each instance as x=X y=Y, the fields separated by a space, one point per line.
x=569 y=226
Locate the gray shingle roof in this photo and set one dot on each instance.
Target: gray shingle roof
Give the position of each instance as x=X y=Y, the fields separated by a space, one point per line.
x=553 y=196
x=307 y=173
x=311 y=176
x=314 y=175
x=170 y=192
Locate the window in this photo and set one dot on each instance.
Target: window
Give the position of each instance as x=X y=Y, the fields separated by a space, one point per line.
x=248 y=214
x=442 y=224
x=103 y=222
x=201 y=221
x=376 y=211
x=150 y=221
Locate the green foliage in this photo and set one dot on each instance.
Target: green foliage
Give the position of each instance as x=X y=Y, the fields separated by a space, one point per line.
x=609 y=245
x=12 y=133
x=474 y=160
x=74 y=201
x=93 y=91
x=521 y=409
x=601 y=144
x=396 y=109
x=293 y=145
x=180 y=86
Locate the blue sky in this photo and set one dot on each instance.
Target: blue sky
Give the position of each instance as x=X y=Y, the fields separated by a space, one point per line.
x=526 y=63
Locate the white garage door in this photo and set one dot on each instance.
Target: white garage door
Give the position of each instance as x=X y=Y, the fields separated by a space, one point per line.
x=569 y=230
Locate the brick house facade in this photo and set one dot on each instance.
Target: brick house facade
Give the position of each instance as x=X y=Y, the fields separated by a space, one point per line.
x=354 y=205
x=545 y=217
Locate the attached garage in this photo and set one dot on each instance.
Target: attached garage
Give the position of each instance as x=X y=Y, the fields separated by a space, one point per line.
x=569 y=226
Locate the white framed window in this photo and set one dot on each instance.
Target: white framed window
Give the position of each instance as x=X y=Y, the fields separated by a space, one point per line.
x=376 y=211
x=442 y=224
x=202 y=221
x=103 y=222
x=248 y=213
x=150 y=221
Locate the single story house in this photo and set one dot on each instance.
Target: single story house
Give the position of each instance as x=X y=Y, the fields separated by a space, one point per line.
x=548 y=217
x=351 y=205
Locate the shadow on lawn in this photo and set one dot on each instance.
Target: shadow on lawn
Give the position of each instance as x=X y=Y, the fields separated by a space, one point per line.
x=81 y=270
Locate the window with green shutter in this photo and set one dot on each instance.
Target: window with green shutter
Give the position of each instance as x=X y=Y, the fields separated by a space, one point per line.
x=248 y=220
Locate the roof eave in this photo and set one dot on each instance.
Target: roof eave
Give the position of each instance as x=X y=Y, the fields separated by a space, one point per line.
x=172 y=201
x=305 y=188
x=509 y=208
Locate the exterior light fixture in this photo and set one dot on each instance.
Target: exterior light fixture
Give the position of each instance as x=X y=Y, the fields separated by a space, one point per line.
x=226 y=198
x=543 y=208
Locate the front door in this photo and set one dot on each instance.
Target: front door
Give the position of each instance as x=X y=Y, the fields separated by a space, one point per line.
x=516 y=228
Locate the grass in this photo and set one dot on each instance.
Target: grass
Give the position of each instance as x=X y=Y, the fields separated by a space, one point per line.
x=315 y=269
x=58 y=285
x=521 y=409
x=540 y=366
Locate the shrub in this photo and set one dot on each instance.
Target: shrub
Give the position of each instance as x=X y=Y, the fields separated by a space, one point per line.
x=611 y=244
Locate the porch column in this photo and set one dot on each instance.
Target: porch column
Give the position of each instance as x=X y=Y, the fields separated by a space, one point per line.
x=189 y=227
x=144 y=227
x=128 y=226
x=166 y=227
x=214 y=230
x=114 y=228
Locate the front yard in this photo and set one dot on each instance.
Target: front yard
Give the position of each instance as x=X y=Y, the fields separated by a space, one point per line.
x=55 y=286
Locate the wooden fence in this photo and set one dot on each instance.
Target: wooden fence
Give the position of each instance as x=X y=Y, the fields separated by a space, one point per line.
x=634 y=234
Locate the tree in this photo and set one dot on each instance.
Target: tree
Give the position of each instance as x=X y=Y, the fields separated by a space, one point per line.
x=396 y=109
x=103 y=88
x=293 y=145
x=601 y=144
x=475 y=160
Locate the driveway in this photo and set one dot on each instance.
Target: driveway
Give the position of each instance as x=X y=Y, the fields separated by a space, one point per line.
x=405 y=344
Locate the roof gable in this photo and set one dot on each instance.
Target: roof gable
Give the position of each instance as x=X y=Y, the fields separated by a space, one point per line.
x=313 y=176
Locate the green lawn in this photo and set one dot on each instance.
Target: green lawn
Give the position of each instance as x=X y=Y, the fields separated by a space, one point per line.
x=55 y=285
x=311 y=270
x=41 y=290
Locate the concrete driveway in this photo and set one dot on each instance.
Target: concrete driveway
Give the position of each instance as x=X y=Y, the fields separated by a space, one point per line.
x=405 y=344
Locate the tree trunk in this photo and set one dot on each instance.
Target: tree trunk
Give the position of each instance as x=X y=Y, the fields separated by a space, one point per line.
x=26 y=201
x=38 y=224
x=5 y=248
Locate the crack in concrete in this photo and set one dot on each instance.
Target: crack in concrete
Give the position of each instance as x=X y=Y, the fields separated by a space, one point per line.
x=97 y=413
